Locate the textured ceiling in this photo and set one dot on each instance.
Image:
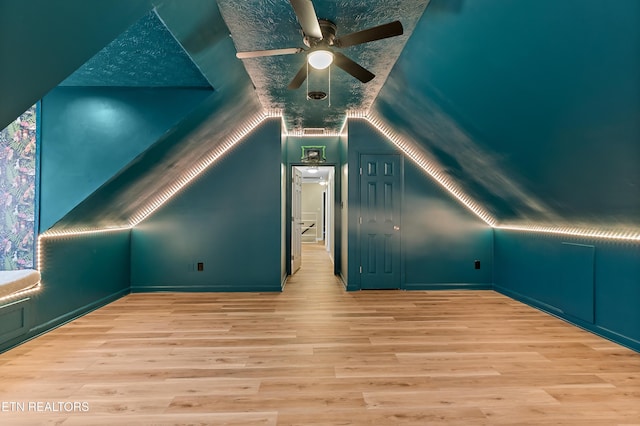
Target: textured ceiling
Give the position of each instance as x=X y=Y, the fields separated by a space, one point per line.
x=271 y=24
x=146 y=55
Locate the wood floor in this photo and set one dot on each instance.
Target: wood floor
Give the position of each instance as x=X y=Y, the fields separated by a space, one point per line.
x=316 y=355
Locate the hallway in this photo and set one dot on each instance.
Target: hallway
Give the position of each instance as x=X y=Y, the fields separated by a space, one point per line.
x=316 y=272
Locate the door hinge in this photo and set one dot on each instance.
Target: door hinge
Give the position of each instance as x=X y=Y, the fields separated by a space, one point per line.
x=360 y=268
x=360 y=171
x=360 y=219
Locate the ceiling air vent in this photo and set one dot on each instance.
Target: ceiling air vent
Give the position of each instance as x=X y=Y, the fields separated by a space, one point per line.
x=313 y=131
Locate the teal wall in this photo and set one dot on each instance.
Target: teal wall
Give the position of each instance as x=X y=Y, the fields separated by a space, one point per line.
x=594 y=283
x=214 y=121
x=440 y=238
x=532 y=106
x=285 y=228
x=45 y=41
x=90 y=134
x=343 y=235
x=229 y=219
x=79 y=273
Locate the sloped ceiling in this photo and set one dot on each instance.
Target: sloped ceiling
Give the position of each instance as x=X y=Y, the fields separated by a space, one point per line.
x=43 y=42
x=145 y=55
x=533 y=106
x=206 y=57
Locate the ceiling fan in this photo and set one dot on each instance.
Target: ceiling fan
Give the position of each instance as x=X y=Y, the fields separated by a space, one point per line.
x=320 y=38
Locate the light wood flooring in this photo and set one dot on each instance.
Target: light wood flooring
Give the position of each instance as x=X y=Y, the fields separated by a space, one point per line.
x=317 y=355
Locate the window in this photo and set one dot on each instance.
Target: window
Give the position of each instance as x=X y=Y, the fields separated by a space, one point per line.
x=18 y=143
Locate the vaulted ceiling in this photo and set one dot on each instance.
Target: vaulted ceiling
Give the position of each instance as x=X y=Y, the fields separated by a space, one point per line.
x=264 y=25
x=531 y=106
x=145 y=55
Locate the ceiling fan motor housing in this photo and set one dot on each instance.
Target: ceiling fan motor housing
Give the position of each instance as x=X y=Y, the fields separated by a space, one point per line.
x=328 y=29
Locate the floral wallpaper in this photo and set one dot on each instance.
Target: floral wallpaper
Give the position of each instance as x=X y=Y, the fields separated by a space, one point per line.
x=17 y=192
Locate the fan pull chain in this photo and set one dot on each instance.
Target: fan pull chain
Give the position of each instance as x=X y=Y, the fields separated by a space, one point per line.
x=329 y=86
x=307 y=94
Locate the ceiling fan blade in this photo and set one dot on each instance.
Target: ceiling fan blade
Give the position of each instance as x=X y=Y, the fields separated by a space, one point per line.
x=391 y=29
x=352 y=68
x=273 y=52
x=307 y=18
x=299 y=78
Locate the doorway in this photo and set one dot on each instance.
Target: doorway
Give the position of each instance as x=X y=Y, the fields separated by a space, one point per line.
x=380 y=189
x=312 y=213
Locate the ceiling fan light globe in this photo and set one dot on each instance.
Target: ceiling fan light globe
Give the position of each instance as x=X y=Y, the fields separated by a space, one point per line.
x=320 y=59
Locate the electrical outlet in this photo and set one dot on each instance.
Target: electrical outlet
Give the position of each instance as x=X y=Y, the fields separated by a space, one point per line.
x=476 y=264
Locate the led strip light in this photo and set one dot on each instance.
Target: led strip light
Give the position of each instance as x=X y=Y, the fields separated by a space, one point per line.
x=186 y=178
x=630 y=235
x=56 y=235
x=210 y=158
x=408 y=148
x=80 y=231
x=427 y=165
x=70 y=233
x=21 y=293
x=214 y=155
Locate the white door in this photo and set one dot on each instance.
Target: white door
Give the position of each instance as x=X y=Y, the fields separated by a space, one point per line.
x=296 y=220
x=329 y=214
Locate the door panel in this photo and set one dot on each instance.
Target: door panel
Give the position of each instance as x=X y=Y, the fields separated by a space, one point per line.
x=388 y=202
x=388 y=254
x=380 y=187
